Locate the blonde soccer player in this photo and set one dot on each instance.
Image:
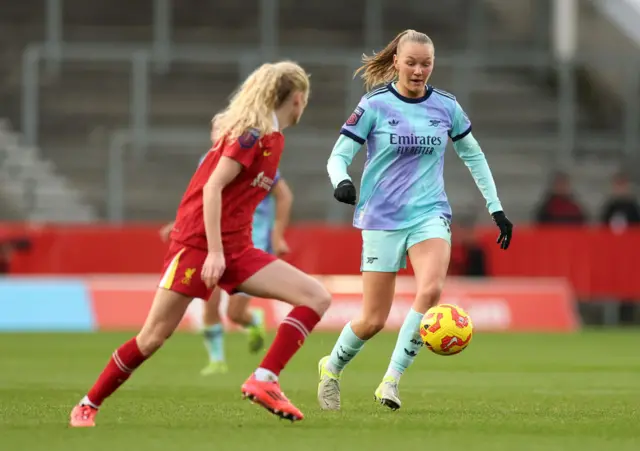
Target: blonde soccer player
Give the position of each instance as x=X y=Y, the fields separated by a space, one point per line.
x=211 y=243
x=403 y=208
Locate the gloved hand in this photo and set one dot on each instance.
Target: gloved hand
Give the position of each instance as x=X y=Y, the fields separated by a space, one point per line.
x=506 y=229
x=345 y=192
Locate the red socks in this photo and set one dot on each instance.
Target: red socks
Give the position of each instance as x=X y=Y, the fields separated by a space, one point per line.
x=123 y=361
x=290 y=336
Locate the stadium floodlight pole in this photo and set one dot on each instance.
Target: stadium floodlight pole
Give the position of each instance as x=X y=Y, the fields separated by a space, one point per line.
x=53 y=31
x=565 y=42
x=269 y=29
x=373 y=24
x=162 y=34
x=565 y=29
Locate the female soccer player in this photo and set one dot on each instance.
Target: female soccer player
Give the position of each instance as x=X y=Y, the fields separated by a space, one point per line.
x=269 y=224
x=211 y=242
x=403 y=208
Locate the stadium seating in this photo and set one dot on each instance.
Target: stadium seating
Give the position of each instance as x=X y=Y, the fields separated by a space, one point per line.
x=514 y=114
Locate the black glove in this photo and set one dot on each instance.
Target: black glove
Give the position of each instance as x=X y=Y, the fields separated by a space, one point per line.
x=506 y=229
x=345 y=192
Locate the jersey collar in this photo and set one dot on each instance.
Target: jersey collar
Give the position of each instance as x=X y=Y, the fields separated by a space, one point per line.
x=426 y=95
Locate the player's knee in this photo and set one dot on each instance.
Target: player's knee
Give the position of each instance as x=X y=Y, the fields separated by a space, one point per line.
x=318 y=298
x=429 y=294
x=235 y=314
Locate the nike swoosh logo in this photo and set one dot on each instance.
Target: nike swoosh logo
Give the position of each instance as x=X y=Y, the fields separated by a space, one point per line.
x=266 y=154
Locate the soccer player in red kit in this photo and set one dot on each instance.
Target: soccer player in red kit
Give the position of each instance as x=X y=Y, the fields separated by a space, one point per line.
x=211 y=242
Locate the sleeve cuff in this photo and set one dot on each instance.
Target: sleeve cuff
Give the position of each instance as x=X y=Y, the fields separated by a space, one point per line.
x=353 y=136
x=494 y=206
x=461 y=135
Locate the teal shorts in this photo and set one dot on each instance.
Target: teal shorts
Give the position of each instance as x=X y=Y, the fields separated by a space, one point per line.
x=386 y=250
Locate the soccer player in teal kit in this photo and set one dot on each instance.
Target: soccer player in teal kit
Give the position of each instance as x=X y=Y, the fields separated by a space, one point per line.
x=402 y=208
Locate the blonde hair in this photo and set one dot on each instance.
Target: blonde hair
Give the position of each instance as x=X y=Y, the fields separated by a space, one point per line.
x=253 y=103
x=378 y=69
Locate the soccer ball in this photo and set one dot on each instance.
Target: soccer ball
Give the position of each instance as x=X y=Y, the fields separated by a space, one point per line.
x=446 y=329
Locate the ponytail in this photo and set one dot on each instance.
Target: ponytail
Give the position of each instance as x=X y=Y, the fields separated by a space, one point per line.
x=378 y=69
x=253 y=103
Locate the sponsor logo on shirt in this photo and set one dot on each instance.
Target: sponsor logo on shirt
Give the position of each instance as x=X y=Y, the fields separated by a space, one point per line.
x=262 y=181
x=414 y=144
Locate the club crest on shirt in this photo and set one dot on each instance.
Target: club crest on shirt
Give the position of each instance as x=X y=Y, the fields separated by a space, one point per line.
x=249 y=138
x=355 y=116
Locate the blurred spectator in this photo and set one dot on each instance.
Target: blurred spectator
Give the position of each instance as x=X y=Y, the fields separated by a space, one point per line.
x=467 y=255
x=7 y=248
x=559 y=205
x=622 y=209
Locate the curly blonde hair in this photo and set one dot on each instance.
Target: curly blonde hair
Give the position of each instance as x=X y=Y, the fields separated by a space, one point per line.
x=378 y=69
x=253 y=103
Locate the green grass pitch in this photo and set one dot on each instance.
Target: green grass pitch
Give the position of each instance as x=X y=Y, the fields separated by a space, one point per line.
x=505 y=392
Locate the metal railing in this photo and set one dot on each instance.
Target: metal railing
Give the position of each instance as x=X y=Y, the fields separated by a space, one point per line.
x=161 y=52
x=140 y=59
x=464 y=66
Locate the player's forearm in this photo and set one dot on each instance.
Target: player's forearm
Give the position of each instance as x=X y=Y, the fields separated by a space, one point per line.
x=212 y=206
x=341 y=157
x=470 y=152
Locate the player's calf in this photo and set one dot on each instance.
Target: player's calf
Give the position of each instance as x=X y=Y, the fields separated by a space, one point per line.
x=367 y=327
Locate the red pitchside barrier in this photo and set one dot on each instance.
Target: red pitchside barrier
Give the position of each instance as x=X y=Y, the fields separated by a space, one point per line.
x=597 y=262
x=122 y=303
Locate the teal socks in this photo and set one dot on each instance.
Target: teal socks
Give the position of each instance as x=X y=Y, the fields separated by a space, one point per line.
x=214 y=342
x=345 y=349
x=407 y=346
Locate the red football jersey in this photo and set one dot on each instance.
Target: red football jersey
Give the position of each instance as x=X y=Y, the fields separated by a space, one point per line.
x=260 y=159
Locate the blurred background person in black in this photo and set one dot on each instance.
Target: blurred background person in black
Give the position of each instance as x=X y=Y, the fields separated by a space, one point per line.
x=621 y=209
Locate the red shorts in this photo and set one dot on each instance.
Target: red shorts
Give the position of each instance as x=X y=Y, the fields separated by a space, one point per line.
x=183 y=267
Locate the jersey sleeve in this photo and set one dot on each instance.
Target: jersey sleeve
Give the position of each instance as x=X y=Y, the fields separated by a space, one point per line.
x=359 y=124
x=470 y=152
x=460 y=124
x=341 y=157
x=243 y=149
x=202 y=158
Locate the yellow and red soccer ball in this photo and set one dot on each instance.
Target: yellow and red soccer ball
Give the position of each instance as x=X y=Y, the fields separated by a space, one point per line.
x=446 y=329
